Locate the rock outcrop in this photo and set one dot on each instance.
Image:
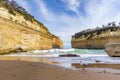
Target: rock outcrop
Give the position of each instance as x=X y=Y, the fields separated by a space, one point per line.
x=56 y=42
x=113 y=49
x=96 y=38
x=69 y=55
x=18 y=34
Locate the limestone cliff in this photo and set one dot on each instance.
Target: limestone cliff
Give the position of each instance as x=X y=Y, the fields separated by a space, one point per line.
x=56 y=42
x=19 y=34
x=96 y=38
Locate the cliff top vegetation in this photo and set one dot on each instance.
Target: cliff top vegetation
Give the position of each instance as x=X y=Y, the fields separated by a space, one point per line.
x=13 y=7
x=89 y=33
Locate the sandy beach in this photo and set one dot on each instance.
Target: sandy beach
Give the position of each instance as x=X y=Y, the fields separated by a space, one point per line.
x=12 y=68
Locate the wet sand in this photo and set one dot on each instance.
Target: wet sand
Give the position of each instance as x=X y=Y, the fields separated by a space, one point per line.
x=15 y=69
x=98 y=65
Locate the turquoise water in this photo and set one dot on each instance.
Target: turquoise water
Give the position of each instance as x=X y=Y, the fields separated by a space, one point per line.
x=87 y=56
x=57 y=52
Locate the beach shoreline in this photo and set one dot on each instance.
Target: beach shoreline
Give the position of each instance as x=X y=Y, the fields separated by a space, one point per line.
x=26 y=68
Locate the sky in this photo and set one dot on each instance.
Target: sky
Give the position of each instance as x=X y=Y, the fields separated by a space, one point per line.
x=66 y=17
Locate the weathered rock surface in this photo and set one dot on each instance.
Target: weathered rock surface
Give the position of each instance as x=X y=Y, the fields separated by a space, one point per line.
x=113 y=49
x=69 y=55
x=96 y=38
x=17 y=34
x=96 y=43
x=56 y=42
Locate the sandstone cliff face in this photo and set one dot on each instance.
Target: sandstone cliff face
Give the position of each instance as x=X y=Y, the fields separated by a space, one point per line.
x=97 y=41
x=56 y=42
x=17 y=34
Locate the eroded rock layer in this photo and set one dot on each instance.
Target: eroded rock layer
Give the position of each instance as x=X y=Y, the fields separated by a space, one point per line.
x=18 y=34
x=97 y=38
x=113 y=49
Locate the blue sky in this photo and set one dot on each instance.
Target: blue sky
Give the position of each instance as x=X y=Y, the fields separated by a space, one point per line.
x=66 y=17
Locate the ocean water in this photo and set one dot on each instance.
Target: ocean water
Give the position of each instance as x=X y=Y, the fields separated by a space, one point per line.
x=87 y=56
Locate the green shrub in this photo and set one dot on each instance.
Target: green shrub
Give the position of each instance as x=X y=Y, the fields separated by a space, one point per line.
x=11 y=12
x=89 y=33
x=13 y=6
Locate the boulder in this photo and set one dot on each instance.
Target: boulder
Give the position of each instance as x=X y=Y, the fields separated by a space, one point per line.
x=69 y=55
x=113 y=49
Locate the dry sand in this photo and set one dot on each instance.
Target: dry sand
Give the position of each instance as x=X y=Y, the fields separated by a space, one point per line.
x=25 y=70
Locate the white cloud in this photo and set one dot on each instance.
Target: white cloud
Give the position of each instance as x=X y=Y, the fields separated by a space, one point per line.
x=44 y=10
x=72 y=5
x=97 y=12
x=102 y=12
